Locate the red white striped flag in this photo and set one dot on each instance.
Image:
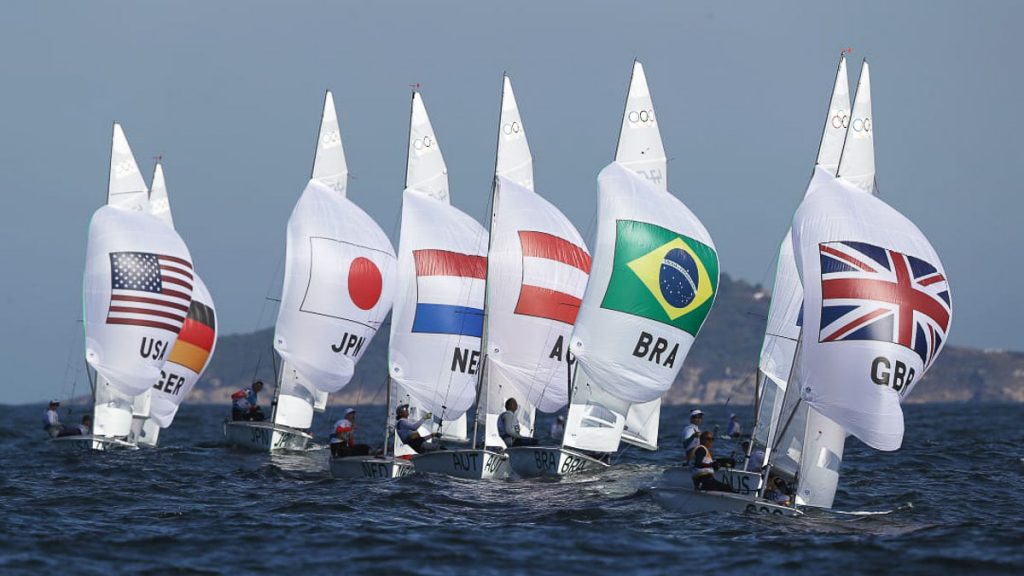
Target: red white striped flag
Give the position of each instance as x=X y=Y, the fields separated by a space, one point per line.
x=151 y=290
x=555 y=273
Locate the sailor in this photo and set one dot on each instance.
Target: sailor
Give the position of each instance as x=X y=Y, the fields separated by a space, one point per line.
x=508 y=426
x=408 y=431
x=704 y=466
x=343 y=441
x=755 y=460
x=243 y=403
x=734 y=430
x=691 y=434
x=85 y=428
x=51 y=420
x=557 y=430
x=778 y=491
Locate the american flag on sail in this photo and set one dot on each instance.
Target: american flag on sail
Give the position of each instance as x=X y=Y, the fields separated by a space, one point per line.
x=874 y=293
x=151 y=290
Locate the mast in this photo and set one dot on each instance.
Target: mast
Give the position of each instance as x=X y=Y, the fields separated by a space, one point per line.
x=490 y=240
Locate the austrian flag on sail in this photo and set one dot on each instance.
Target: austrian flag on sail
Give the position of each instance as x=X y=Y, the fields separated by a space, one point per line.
x=554 y=277
x=151 y=290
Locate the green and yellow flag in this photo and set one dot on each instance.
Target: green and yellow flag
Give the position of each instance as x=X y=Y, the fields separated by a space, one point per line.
x=661 y=275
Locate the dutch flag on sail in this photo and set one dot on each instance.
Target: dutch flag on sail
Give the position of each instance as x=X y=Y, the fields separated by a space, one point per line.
x=449 y=293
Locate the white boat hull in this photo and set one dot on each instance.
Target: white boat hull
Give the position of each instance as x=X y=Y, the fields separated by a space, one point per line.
x=265 y=436
x=371 y=467
x=676 y=493
x=554 y=461
x=480 y=464
x=89 y=442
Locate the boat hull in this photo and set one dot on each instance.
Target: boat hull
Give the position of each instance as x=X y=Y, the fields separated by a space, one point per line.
x=550 y=461
x=371 y=467
x=265 y=436
x=676 y=493
x=479 y=464
x=89 y=442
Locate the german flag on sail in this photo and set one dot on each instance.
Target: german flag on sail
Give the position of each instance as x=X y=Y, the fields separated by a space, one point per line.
x=662 y=275
x=195 y=341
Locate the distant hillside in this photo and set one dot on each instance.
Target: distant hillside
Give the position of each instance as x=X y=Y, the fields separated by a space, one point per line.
x=720 y=365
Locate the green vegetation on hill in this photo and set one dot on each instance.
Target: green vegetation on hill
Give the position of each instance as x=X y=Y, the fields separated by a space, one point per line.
x=719 y=367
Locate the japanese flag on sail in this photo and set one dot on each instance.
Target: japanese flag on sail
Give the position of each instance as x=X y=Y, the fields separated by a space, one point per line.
x=438 y=317
x=338 y=287
x=537 y=273
x=876 y=310
x=138 y=285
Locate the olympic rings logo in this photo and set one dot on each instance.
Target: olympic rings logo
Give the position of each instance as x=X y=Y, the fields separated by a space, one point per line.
x=841 y=119
x=641 y=116
x=510 y=128
x=331 y=140
x=423 y=143
x=124 y=168
x=862 y=125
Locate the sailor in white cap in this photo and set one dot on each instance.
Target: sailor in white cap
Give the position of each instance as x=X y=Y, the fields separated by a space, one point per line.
x=691 y=434
x=735 y=429
x=51 y=420
x=343 y=441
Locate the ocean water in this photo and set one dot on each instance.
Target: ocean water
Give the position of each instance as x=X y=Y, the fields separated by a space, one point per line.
x=951 y=500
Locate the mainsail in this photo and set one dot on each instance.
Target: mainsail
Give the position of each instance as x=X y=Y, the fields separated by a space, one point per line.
x=137 y=289
x=640 y=149
x=338 y=287
x=804 y=429
x=857 y=164
x=876 y=311
x=537 y=272
x=196 y=342
x=434 y=352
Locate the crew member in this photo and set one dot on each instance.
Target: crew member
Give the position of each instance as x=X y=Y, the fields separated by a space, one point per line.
x=409 y=431
x=343 y=441
x=243 y=403
x=778 y=491
x=85 y=428
x=508 y=426
x=755 y=459
x=735 y=429
x=51 y=420
x=691 y=434
x=704 y=466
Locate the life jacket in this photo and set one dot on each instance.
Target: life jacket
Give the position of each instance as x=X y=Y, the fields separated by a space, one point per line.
x=344 y=433
x=706 y=464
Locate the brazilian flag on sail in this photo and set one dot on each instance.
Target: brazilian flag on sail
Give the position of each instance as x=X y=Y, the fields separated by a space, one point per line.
x=662 y=275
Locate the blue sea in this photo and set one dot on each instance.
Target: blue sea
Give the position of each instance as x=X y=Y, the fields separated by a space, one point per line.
x=950 y=501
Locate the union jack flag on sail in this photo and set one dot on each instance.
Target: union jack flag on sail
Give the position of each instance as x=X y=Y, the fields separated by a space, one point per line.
x=874 y=293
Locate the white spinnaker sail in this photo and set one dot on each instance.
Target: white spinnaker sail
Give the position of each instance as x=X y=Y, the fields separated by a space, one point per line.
x=329 y=167
x=188 y=358
x=338 y=287
x=159 y=205
x=837 y=121
x=652 y=283
x=138 y=286
x=126 y=189
x=857 y=164
x=425 y=172
x=876 y=308
x=640 y=147
x=538 y=266
x=437 y=323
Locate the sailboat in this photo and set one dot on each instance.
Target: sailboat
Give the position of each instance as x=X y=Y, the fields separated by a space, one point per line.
x=653 y=281
x=538 y=266
x=191 y=353
x=136 y=290
x=327 y=319
x=437 y=324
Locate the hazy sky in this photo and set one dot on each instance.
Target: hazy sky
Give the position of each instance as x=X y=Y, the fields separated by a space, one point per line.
x=230 y=94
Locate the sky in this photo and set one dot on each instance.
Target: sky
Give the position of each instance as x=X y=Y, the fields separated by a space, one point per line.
x=229 y=94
